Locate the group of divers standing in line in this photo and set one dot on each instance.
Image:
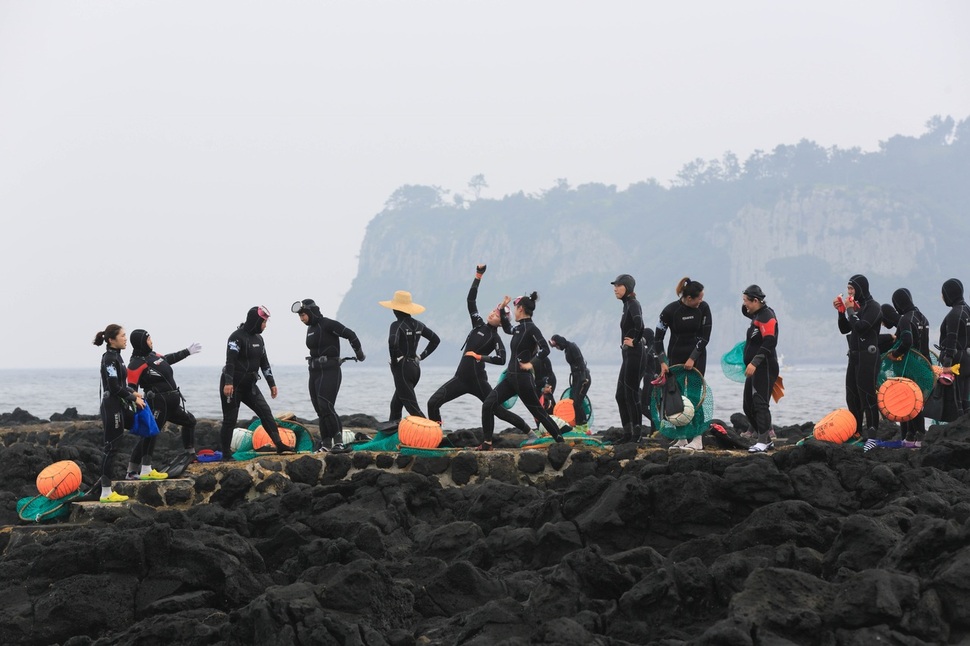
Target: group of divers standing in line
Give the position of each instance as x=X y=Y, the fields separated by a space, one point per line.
x=645 y=365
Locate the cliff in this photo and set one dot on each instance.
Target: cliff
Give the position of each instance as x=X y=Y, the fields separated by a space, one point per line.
x=799 y=230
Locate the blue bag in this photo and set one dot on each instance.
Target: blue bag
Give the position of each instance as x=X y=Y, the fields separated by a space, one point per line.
x=145 y=424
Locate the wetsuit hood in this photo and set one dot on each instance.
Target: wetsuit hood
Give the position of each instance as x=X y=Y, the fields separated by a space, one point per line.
x=558 y=340
x=139 y=343
x=952 y=292
x=890 y=317
x=627 y=281
x=311 y=309
x=903 y=301
x=254 y=322
x=861 y=285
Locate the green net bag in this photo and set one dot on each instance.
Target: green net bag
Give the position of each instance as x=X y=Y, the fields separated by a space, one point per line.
x=304 y=441
x=732 y=363
x=911 y=365
x=587 y=405
x=382 y=442
x=695 y=389
x=40 y=509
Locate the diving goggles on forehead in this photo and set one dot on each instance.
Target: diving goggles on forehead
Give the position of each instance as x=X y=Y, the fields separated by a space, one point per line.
x=263 y=312
x=296 y=307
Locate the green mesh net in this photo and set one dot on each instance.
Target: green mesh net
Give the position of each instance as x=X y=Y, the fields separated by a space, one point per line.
x=692 y=386
x=382 y=442
x=732 y=363
x=41 y=508
x=304 y=441
x=587 y=405
x=911 y=365
x=572 y=437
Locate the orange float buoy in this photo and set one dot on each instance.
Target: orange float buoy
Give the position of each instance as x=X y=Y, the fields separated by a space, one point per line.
x=838 y=426
x=564 y=410
x=419 y=432
x=262 y=441
x=900 y=399
x=59 y=479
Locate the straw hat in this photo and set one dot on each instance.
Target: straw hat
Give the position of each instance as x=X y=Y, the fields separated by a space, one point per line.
x=403 y=303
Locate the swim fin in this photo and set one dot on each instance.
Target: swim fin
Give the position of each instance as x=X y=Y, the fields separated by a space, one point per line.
x=177 y=465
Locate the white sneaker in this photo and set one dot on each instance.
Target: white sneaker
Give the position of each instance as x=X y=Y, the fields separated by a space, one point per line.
x=696 y=444
x=761 y=447
x=678 y=445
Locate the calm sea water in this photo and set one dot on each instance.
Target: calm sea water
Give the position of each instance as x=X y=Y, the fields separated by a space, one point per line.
x=811 y=392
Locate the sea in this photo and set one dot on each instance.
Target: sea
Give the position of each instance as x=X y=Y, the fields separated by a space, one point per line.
x=811 y=392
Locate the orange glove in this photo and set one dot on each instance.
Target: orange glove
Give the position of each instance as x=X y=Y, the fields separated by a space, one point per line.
x=840 y=304
x=474 y=355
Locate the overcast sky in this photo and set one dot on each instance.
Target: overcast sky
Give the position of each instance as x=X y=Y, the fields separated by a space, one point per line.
x=167 y=165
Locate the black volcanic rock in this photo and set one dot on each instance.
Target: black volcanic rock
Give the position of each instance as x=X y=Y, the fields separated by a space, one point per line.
x=812 y=544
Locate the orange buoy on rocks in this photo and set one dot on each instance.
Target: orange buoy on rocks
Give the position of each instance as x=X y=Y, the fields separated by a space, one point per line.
x=262 y=441
x=59 y=479
x=838 y=426
x=900 y=399
x=564 y=410
x=419 y=432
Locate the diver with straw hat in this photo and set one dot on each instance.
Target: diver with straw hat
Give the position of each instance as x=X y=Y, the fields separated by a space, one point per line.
x=402 y=344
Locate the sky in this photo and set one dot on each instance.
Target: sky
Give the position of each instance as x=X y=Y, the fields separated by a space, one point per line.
x=167 y=165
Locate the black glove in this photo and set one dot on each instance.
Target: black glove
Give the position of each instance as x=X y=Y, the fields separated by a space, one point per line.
x=480 y=269
x=360 y=354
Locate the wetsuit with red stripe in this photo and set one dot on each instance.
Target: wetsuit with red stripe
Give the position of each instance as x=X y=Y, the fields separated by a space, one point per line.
x=760 y=349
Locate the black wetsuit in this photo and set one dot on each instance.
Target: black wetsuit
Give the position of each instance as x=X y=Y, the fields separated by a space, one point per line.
x=152 y=372
x=912 y=332
x=631 y=368
x=760 y=349
x=690 y=332
x=862 y=327
x=527 y=343
x=117 y=408
x=470 y=377
x=402 y=344
x=245 y=358
x=579 y=377
x=325 y=375
x=954 y=345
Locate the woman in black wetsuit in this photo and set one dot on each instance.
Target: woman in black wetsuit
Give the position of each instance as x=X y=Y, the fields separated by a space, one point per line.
x=689 y=321
x=118 y=402
x=633 y=359
x=954 y=346
x=526 y=344
x=912 y=332
x=402 y=344
x=859 y=319
x=245 y=358
x=153 y=373
x=470 y=377
x=579 y=379
x=761 y=365
x=323 y=341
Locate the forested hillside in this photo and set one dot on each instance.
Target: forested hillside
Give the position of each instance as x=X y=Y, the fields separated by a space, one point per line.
x=798 y=220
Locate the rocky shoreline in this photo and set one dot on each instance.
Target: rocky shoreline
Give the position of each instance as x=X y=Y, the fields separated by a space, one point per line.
x=813 y=544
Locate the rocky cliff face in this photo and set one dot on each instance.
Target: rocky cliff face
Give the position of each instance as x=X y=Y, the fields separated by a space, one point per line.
x=801 y=245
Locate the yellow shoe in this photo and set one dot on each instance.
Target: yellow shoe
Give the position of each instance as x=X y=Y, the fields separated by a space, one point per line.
x=114 y=497
x=153 y=475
